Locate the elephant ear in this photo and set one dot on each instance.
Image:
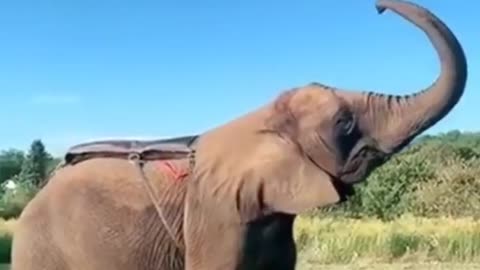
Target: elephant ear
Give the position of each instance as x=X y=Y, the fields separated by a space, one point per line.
x=290 y=182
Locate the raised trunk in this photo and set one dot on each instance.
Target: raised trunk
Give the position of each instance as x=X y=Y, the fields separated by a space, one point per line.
x=410 y=115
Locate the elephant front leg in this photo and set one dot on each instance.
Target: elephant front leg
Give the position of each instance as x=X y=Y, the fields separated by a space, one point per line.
x=212 y=241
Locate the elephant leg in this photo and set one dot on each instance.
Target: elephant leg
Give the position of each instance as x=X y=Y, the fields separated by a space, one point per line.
x=216 y=240
x=269 y=243
x=209 y=243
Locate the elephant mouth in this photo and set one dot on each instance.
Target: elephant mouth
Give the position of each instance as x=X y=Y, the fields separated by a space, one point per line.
x=361 y=164
x=344 y=188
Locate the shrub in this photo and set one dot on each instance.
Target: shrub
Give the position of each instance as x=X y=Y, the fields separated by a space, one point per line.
x=454 y=192
x=388 y=191
x=13 y=201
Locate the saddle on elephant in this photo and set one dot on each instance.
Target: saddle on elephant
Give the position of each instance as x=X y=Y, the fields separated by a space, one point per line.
x=141 y=151
x=147 y=150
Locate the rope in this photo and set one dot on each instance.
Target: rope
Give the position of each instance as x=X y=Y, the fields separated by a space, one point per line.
x=135 y=158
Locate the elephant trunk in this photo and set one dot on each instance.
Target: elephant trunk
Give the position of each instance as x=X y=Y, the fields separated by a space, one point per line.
x=407 y=116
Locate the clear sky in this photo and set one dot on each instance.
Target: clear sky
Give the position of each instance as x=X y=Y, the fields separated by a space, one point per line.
x=72 y=71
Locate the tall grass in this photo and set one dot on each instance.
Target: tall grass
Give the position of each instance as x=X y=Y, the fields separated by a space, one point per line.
x=6 y=232
x=407 y=239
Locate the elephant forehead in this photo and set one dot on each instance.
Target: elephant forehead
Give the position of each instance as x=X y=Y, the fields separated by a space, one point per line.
x=314 y=97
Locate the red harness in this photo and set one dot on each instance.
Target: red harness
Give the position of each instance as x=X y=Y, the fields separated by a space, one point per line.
x=175 y=171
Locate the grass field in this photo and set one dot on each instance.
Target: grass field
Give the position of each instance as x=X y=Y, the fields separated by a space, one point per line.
x=395 y=266
x=406 y=240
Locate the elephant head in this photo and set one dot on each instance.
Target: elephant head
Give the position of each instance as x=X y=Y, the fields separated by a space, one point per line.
x=295 y=152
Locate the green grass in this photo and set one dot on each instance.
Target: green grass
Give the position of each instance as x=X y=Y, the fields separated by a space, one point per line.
x=6 y=230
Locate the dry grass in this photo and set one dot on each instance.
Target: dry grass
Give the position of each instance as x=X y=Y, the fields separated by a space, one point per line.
x=7 y=226
x=408 y=239
x=395 y=266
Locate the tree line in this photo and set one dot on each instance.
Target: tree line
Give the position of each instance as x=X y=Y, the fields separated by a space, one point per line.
x=32 y=166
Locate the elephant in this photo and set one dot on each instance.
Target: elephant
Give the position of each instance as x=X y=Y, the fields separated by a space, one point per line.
x=165 y=204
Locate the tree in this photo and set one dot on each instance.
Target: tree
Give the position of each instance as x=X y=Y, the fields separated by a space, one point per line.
x=10 y=163
x=36 y=163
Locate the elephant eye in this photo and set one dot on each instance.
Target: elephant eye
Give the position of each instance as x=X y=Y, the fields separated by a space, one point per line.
x=346 y=135
x=345 y=125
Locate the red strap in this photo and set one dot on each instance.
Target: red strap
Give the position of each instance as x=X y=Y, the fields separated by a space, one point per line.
x=176 y=173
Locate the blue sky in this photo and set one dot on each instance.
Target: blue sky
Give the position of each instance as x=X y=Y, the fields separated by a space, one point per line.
x=73 y=71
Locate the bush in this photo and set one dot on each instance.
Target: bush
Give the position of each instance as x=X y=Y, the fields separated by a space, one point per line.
x=454 y=192
x=388 y=192
x=13 y=201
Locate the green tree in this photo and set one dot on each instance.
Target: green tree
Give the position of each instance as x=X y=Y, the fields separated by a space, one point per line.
x=36 y=163
x=10 y=164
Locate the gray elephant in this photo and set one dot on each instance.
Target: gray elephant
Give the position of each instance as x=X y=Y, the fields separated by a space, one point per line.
x=227 y=198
